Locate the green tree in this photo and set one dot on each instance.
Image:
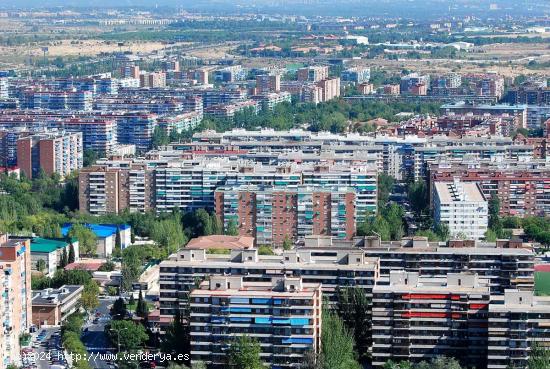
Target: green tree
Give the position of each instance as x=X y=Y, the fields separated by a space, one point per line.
x=539 y=357
x=71 y=258
x=217 y=226
x=441 y=362
x=494 y=214
x=130 y=335
x=385 y=186
x=176 y=339
x=118 y=310
x=40 y=265
x=490 y=236
x=442 y=231
x=232 y=229
x=86 y=239
x=244 y=353
x=64 y=260
x=287 y=243
x=204 y=222
x=90 y=296
x=353 y=308
x=418 y=197
x=265 y=250
x=337 y=344
x=118 y=243
x=142 y=310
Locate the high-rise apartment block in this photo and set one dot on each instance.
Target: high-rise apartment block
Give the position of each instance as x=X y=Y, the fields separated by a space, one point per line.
x=15 y=265
x=178 y=274
x=59 y=153
x=520 y=186
x=518 y=322
x=506 y=264
x=283 y=315
x=330 y=88
x=409 y=81
x=274 y=214
x=152 y=79
x=417 y=318
x=268 y=83
x=313 y=73
x=357 y=75
x=462 y=207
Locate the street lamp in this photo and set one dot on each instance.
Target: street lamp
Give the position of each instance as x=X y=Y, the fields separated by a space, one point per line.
x=118 y=336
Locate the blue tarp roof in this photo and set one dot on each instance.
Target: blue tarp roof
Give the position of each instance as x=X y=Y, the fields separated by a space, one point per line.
x=100 y=230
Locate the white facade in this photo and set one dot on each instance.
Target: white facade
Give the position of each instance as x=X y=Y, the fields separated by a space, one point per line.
x=462 y=207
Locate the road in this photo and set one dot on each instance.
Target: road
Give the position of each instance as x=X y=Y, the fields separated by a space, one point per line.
x=95 y=339
x=42 y=350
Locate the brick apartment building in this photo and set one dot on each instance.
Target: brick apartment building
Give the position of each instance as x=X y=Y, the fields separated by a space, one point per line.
x=59 y=153
x=274 y=214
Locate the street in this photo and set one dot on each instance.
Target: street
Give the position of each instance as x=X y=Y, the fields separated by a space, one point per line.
x=95 y=339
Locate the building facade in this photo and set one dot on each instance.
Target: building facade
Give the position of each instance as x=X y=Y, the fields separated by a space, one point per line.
x=283 y=315
x=462 y=207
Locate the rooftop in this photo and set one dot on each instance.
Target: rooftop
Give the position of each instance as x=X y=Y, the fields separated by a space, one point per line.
x=221 y=242
x=458 y=192
x=44 y=245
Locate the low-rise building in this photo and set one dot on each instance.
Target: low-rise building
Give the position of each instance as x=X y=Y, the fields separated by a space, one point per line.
x=50 y=307
x=105 y=236
x=51 y=251
x=283 y=314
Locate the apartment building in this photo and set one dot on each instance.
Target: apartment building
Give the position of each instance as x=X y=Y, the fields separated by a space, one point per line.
x=506 y=264
x=268 y=101
x=490 y=84
x=531 y=94
x=104 y=190
x=169 y=179
x=179 y=273
x=330 y=88
x=409 y=82
x=416 y=318
x=5 y=361
x=57 y=100
x=313 y=73
x=267 y=83
x=232 y=73
x=136 y=129
x=273 y=214
x=4 y=88
x=357 y=75
x=98 y=134
x=520 y=185
x=180 y=122
x=283 y=315
x=53 y=152
x=152 y=79
x=130 y=71
x=228 y=111
x=15 y=265
x=518 y=320
x=462 y=207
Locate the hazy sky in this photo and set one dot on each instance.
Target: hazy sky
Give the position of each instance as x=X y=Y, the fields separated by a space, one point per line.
x=413 y=8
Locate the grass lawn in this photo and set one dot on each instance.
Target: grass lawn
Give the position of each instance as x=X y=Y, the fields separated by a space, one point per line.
x=542 y=283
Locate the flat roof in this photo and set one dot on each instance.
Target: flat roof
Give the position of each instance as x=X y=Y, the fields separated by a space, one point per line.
x=221 y=242
x=45 y=245
x=463 y=192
